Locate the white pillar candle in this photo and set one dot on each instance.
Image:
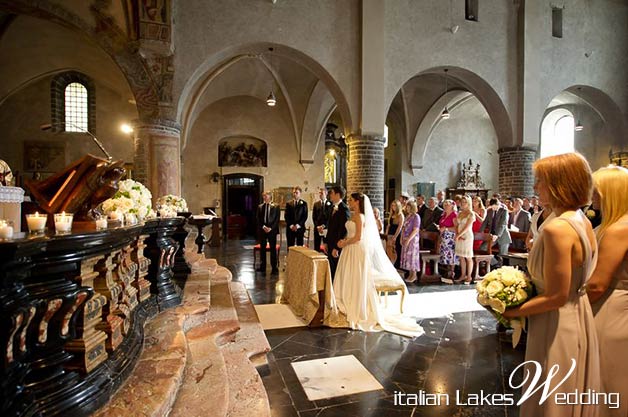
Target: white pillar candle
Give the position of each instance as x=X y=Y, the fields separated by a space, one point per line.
x=6 y=231
x=63 y=222
x=36 y=222
x=101 y=223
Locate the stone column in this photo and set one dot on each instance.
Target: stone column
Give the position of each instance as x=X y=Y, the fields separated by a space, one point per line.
x=157 y=162
x=515 y=171
x=365 y=167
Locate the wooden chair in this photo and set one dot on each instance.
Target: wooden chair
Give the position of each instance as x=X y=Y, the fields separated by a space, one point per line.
x=390 y=284
x=518 y=237
x=432 y=255
x=481 y=255
x=258 y=248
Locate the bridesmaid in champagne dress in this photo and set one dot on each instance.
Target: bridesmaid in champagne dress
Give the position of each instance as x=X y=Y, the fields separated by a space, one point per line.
x=561 y=328
x=608 y=287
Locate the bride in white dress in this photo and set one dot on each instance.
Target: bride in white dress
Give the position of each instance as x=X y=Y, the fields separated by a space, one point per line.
x=361 y=262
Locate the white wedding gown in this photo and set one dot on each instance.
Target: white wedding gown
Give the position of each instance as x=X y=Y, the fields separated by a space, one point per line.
x=354 y=287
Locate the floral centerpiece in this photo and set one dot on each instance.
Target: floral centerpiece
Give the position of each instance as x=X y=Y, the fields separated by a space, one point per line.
x=502 y=288
x=169 y=205
x=131 y=198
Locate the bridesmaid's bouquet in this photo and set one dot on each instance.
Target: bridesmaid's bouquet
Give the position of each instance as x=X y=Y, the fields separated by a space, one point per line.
x=503 y=288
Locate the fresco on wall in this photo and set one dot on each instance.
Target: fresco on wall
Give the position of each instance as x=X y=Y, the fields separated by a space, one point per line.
x=242 y=152
x=41 y=156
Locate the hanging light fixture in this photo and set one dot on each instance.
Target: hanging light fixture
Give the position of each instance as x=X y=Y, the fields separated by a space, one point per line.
x=445 y=114
x=271 y=100
x=578 y=127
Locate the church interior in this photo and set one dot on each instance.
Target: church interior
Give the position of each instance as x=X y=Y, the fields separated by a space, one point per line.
x=219 y=101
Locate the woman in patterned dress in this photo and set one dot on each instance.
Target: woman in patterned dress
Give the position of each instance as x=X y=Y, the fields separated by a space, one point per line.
x=410 y=255
x=447 y=229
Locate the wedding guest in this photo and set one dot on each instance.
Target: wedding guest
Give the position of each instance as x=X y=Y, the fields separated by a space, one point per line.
x=561 y=328
x=536 y=223
x=267 y=229
x=526 y=204
x=296 y=216
x=410 y=250
x=440 y=198
x=447 y=230
x=404 y=197
x=464 y=240
x=496 y=222
x=593 y=212
x=431 y=216
x=608 y=286
x=535 y=205
x=420 y=203
x=519 y=221
x=378 y=219
x=320 y=216
x=479 y=211
x=393 y=231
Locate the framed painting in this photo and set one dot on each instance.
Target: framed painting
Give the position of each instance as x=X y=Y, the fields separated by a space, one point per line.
x=242 y=151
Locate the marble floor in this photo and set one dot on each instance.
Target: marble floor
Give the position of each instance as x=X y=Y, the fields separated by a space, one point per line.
x=461 y=355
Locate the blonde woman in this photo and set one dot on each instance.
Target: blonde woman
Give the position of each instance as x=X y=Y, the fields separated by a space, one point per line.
x=479 y=211
x=393 y=231
x=561 y=328
x=608 y=286
x=464 y=240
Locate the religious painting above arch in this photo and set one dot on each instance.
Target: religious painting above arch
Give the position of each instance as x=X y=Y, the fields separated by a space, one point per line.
x=242 y=152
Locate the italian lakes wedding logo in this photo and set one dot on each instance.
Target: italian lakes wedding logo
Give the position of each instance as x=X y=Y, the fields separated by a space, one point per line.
x=547 y=390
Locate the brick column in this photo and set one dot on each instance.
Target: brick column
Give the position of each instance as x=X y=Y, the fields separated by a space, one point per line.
x=365 y=167
x=157 y=162
x=515 y=171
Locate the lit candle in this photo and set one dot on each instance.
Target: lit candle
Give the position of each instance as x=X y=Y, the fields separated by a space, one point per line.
x=63 y=222
x=101 y=223
x=36 y=222
x=6 y=230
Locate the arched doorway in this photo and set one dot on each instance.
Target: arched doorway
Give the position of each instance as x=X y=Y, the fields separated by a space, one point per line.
x=241 y=196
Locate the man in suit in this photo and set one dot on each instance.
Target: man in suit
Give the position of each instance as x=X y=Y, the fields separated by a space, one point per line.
x=320 y=217
x=336 y=228
x=267 y=228
x=431 y=215
x=519 y=221
x=296 y=216
x=440 y=198
x=421 y=207
x=496 y=222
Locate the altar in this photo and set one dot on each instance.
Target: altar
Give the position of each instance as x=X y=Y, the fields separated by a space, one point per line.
x=470 y=183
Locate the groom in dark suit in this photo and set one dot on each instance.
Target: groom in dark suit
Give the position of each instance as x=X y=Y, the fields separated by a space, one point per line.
x=336 y=228
x=267 y=229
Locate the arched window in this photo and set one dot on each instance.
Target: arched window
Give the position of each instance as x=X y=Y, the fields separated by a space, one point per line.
x=73 y=105
x=557 y=133
x=76 y=110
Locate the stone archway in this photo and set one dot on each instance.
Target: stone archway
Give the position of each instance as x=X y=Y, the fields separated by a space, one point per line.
x=110 y=38
x=221 y=62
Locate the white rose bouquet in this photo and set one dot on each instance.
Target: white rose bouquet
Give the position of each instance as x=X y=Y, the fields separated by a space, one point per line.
x=169 y=205
x=502 y=288
x=132 y=197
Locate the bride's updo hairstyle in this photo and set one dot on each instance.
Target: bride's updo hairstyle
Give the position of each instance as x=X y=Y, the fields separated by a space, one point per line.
x=568 y=179
x=360 y=198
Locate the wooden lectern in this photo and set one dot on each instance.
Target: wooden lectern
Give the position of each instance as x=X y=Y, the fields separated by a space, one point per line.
x=78 y=188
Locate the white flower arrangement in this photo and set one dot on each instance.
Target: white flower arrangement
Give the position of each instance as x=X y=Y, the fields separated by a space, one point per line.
x=502 y=288
x=169 y=205
x=132 y=197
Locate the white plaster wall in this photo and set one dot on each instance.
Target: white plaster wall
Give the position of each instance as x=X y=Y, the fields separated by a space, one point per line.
x=417 y=38
x=247 y=116
x=25 y=110
x=469 y=133
x=326 y=30
x=599 y=29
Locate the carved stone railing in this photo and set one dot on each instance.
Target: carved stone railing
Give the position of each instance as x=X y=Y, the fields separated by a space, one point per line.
x=72 y=312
